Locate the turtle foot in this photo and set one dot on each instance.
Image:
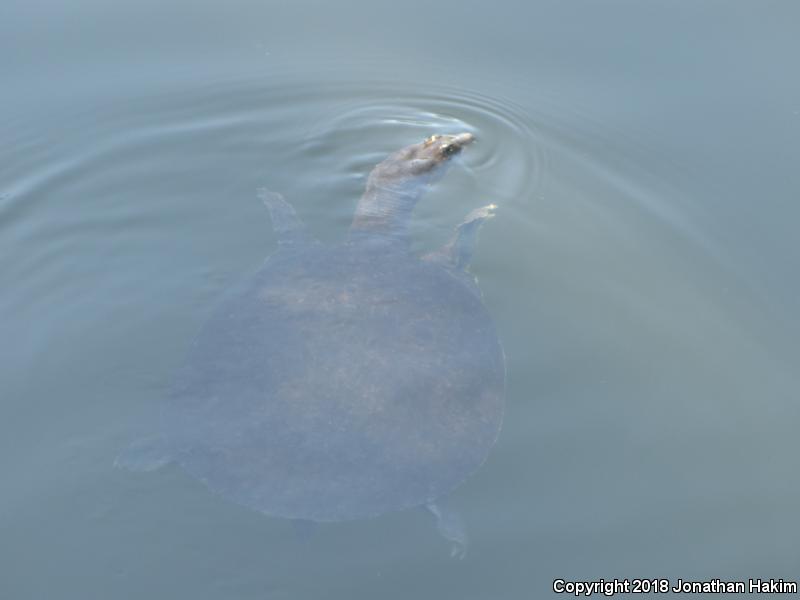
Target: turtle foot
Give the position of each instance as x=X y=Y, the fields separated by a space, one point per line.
x=480 y=214
x=459 y=250
x=451 y=527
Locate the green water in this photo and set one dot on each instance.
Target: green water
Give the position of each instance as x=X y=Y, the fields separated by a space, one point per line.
x=641 y=272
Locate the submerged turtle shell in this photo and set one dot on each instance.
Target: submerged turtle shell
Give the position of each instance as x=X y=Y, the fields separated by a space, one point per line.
x=341 y=383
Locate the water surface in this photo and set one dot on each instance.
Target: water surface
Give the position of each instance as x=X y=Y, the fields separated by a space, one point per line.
x=641 y=271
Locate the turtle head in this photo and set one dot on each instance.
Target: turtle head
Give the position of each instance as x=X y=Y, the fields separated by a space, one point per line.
x=423 y=160
x=395 y=185
x=438 y=149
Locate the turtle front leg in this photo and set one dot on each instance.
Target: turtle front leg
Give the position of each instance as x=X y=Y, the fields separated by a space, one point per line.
x=458 y=251
x=285 y=223
x=451 y=527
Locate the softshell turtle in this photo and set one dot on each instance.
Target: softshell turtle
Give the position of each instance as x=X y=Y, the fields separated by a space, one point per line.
x=344 y=382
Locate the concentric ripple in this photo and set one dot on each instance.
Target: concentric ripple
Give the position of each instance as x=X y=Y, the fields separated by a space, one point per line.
x=126 y=201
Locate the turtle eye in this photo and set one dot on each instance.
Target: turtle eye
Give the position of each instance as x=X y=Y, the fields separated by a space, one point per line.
x=449 y=149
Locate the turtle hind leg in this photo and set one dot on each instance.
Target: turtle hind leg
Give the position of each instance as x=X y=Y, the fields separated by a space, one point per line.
x=148 y=454
x=285 y=223
x=451 y=527
x=459 y=250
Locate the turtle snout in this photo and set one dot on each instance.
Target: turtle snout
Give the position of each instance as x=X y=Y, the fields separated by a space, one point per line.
x=462 y=139
x=455 y=143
